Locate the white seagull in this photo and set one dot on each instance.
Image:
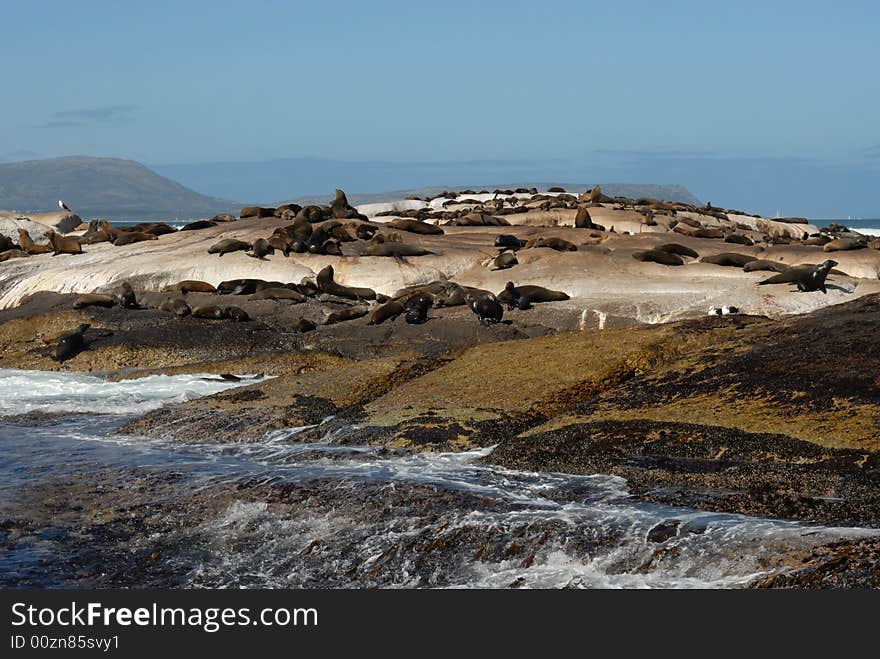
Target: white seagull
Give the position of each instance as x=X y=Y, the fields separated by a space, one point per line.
x=63 y=206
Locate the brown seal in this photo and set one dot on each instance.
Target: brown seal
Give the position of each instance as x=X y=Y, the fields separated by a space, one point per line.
x=210 y=312
x=64 y=244
x=658 y=256
x=557 y=244
x=191 y=286
x=94 y=300
x=326 y=284
x=228 y=245
x=176 y=306
x=130 y=237
x=349 y=313
x=28 y=245
x=676 y=248
x=415 y=226
x=278 y=293
x=729 y=259
x=388 y=311
x=260 y=248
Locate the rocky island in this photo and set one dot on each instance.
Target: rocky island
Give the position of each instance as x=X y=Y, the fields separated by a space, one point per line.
x=702 y=358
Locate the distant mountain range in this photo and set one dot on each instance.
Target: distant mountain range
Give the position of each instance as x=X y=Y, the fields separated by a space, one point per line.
x=110 y=188
x=120 y=189
x=293 y=179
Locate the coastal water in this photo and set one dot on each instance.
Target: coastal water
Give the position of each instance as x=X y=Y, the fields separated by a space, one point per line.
x=283 y=513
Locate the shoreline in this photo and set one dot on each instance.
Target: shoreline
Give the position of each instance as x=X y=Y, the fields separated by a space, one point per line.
x=770 y=411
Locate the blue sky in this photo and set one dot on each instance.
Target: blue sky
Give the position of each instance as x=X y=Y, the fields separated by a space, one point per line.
x=173 y=82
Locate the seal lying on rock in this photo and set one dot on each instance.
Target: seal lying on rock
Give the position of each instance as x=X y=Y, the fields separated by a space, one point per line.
x=198 y=224
x=844 y=244
x=394 y=249
x=228 y=245
x=416 y=226
x=765 y=265
x=349 y=313
x=326 y=284
x=388 y=311
x=728 y=259
x=278 y=293
x=129 y=237
x=557 y=244
x=13 y=254
x=71 y=344
x=676 y=248
x=211 y=312
x=94 y=300
x=507 y=241
x=807 y=278
x=533 y=294
x=503 y=261
x=190 y=286
x=176 y=306
x=658 y=256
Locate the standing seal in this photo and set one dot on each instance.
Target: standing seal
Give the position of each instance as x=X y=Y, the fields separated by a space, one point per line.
x=70 y=344
x=260 y=248
x=486 y=307
x=64 y=244
x=128 y=299
x=418 y=310
x=29 y=246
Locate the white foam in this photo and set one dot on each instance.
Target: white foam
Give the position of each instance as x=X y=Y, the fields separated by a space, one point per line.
x=49 y=391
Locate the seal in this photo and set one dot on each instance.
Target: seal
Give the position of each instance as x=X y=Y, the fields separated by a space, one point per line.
x=175 y=306
x=503 y=261
x=190 y=286
x=278 y=293
x=418 y=310
x=658 y=256
x=228 y=245
x=128 y=299
x=808 y=278
x=738 y=239
x=94 y=234
x=506 y=241
x=29 y=246
x=13 y=254
x=765 y=265
x=129 y=237
x=237 y=314
x=94 y=300
x=415 y=226
x=260 y=248
x=728 y=259
x=818 y=239
x=388 y=311
x=71 y=344
x=676 y=248
x=303 y=325
x=512 y=295
x=210 y=312
x=64 y=244
x=326 y=284
x=844 y=244
x=349 y=313
x=557 y=244
x=486 y=306
x=198 y=225
x=394 y=249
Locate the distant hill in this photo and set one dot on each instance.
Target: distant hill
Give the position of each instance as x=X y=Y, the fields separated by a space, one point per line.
x=101 y=187
x=289 y=179
x=631 y=190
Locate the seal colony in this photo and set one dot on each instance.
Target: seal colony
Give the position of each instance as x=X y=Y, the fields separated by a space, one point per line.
x=463 y=322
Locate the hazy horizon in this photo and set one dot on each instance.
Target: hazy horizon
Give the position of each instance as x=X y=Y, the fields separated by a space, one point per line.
x=761 y=107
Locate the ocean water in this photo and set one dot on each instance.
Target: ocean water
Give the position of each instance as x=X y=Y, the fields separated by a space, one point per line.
x=363 y=515
x=870 y=227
